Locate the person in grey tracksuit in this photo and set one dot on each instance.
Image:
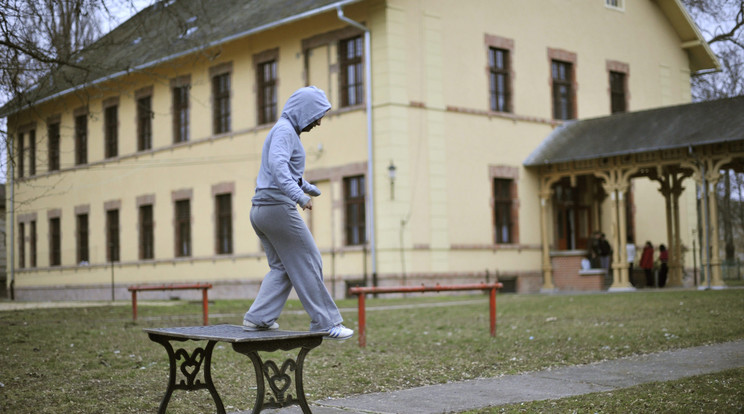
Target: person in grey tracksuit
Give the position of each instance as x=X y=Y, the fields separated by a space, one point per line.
x=293 y=257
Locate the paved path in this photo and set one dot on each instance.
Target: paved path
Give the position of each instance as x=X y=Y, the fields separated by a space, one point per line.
x=540 y=385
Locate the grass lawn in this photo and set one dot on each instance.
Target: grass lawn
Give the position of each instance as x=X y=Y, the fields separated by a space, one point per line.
x=96 y=360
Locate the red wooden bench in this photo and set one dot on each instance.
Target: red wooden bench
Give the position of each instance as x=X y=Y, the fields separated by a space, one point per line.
x=182 y=286
x=362 y=292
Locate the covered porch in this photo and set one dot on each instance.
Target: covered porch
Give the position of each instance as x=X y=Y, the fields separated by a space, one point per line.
x=597 y=159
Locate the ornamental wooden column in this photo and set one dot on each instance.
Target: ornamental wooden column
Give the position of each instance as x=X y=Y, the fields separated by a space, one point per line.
x=676 y=270
x=711 y=167
x=616 y=183
x=712 y=176
x=546 y=194
x=671 y=188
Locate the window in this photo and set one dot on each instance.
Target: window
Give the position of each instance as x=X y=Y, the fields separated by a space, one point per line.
x=81 y=139
x=350 y=61
x=111 y=128
x=221 y=108
x=355 y=221
x=19 y=155
x=32 y=244
x=147 y=233
x=181 y=113
x=83 y=256
x=617 y=92
x=112 y=235
x=144 y=123
x=563 y=97
x=498 y=61
x=21 y=245
x=502 y=210
x=615 y=4
x=224 y=224
x=55 y=242
x=53 y=132
x=267 y=92
x=32 y=152
x=183 y=228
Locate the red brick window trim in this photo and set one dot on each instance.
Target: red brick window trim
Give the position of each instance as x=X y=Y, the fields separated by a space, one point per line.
x=563 y=83
x=618 y=73
x=267 y=81
x=504 y=203
x=500 y=72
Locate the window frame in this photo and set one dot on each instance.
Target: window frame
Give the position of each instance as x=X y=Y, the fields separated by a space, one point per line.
x=146 y=216
x=55 y=238
x=267 y=105
x=21 y=245
x=345 y=63
x=508 y=206
x=32 y=243
x=562 y=101
x=615 y=4
x=80 y=118
x=182 y=218
x=506 y=46
x=32 y=152
x=20 y=154
x=111 y=127
x=502 y=205
x=224 y=223
x=183 y=228
x=618 y=95
x=146 y=227
x=180 y=88
x=113 y=233
x=82 y=231
x=53 y=142
x=563 y=57
x=144 y=116
x=355 y=220
x=221 y=80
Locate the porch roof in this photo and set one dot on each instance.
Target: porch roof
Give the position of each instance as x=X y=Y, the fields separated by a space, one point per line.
x=671 y=127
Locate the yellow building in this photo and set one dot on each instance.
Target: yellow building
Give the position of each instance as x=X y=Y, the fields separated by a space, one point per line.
x=141 y=169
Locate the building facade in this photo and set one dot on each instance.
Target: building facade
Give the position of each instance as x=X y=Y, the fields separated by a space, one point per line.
x=145 y=174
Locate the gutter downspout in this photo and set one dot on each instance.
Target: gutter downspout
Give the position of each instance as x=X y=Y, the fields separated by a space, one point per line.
x=370 y=170
x=11 y=219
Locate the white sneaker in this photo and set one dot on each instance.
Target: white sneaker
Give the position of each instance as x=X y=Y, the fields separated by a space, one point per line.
x=339 y=332
x=250 y=326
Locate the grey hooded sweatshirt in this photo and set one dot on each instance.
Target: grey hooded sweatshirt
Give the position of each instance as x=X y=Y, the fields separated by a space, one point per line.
x=283 y=156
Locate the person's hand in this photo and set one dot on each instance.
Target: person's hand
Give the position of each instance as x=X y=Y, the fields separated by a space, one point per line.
x=309 y=205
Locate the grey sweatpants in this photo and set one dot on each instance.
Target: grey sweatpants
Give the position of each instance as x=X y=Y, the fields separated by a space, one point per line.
x=295 y=261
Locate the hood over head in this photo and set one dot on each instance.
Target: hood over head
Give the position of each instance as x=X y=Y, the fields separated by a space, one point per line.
x=305 y=106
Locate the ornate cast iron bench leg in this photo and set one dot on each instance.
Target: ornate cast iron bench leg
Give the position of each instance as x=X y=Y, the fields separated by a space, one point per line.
x=278 y=379
x=189 y=368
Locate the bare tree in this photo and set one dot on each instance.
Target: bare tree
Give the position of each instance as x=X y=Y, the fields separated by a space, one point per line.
x=722 y=24
x=38 y=37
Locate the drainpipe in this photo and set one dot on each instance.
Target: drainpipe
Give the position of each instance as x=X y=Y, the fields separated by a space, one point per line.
x=11 y=218
x=370 y=170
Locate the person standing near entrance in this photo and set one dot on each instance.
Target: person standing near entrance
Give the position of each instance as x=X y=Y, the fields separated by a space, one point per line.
x=293 y=257
x=647 y=263
x=630 y=251
x=605 y=253
x=663 y=268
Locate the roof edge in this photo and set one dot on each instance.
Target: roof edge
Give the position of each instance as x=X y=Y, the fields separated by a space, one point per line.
x=281 y=22
x=675 y=11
